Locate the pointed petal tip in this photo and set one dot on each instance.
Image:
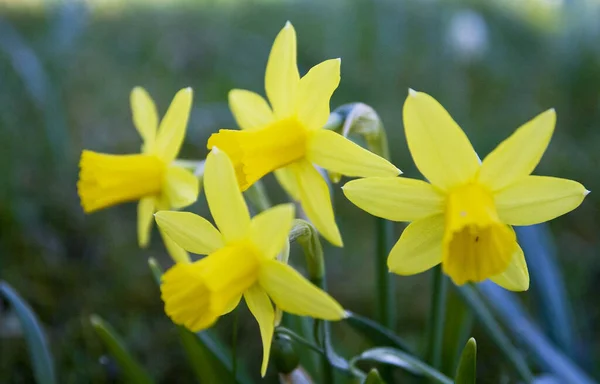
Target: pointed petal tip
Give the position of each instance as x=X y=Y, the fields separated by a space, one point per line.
x=215 y=150
x=399 y=171
x=412 y=92
x=288 y=24
x=346 y=314
x=586 y=192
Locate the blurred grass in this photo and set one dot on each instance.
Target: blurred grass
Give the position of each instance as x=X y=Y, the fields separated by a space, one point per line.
x=66 y=70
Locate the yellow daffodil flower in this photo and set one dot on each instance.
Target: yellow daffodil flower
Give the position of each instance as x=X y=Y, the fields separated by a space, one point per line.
x=287 y=136
x=151 y=177
x=462 y=218
x=241 y=261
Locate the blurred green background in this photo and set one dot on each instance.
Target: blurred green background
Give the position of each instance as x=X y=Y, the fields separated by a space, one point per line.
x=66 y=70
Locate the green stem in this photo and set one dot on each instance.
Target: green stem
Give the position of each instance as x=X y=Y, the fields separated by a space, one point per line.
x=299 y=339
x=437 y=317
x=484 y=315
x=385 y=285
x=234 y=343
x=257 y=195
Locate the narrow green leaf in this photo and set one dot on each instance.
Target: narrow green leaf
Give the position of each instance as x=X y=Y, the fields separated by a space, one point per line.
x=206 y=367
x=466 y=372
x=132 y=370
x=457 y=329
x=495 y=331
x=378 y=334
x=548 y=288
x=530 y=337
x=37 y=345
x=403 y=361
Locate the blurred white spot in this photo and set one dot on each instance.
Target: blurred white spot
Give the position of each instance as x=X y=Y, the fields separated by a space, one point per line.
x=468 y=34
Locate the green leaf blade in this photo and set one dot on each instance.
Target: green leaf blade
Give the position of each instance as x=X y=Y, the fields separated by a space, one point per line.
x=37 y=344
x=131 y=368
x=466 y=372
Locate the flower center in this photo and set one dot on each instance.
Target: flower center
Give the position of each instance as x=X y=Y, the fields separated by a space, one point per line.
x=196 y=294
x=106 y=180
x=476 y=244
x=255 y=153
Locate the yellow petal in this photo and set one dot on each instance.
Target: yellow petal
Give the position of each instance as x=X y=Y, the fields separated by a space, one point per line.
x=516 y=276
x=181 y=187
x=259 y=304
x=249 y=109
x=178 y=254
x=336 y=153
x=440 y=149
x=269 y=230
x=282 y=77
x=315 y=90
x=395 y=198
x=232 y=305
x=171 y=131
x=294 y=294
x=419 y=247
x=187 y=300
x=286 y=178
x=535 y=199
x=314 y=196
x=145 y=210
x=145 y=117
x=518 y=155
x=224 y=198
x=191 y=232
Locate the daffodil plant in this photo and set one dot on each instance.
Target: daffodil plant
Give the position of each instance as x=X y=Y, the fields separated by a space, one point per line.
x=286 y=135
x=462 y=217
x=241 y=261
x=152 y=178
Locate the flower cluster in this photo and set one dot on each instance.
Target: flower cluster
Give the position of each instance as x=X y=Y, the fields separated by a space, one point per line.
x=460 y=217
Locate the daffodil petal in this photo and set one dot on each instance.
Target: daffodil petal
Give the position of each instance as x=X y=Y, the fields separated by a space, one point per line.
x=314 y=91
x=535 y=199
x=145 y=209
x=516 y=276
x=395 y=198
x=281 y=76
x=269 y=230
x=171 y=131
x=191 y=232
x=232 y=305
x=419 y=247
x=249 y=109
x=518 y=155
x=314 y=196
x=438 y=146
x=287 y=179
x=291 y=292
x=181 y=187
x=145 y=117
x=336 y=153
x=178 y=254
x=224 y=198
x=259 y=304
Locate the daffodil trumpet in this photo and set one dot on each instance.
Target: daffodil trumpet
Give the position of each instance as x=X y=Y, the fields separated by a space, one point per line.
x=286 y=135
x=462 y=217
x=154 y=177
x=241 y=261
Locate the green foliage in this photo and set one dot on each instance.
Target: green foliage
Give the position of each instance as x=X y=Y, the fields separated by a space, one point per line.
x=73 y=94
x=402 y=360
x=466 y=373
x=41 y=357
x=131 y=369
